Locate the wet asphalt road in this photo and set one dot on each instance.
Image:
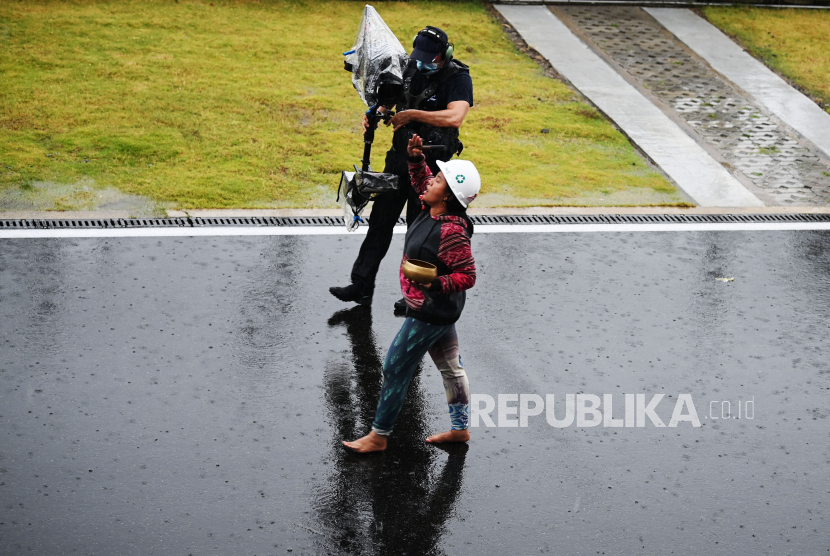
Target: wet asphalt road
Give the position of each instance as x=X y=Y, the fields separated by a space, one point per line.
x=188 y=396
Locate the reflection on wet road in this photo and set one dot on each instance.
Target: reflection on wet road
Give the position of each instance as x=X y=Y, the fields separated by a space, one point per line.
x=189 y=395
x=397 y=501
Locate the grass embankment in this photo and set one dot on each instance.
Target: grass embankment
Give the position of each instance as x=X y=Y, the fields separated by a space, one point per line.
x=246 y=105
x=793 y=42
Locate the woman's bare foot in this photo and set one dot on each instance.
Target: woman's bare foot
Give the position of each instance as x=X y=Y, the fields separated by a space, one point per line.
x=450 y=436
x=372 y=442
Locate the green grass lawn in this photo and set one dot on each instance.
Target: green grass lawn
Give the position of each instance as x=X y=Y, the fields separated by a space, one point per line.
x=197 y=104
x=794 y=42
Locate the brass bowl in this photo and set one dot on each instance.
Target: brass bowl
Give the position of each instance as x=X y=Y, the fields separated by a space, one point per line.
x=420 y=271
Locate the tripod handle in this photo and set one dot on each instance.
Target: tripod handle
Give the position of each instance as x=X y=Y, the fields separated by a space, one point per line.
x=369 y=135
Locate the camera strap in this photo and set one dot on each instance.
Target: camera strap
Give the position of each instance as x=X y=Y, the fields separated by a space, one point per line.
x=414 y=101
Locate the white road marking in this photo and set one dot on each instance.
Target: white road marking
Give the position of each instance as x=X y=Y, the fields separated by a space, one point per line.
x=480 y=229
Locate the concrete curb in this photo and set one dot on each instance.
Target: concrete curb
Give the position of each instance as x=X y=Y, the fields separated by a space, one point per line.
x=502 y=211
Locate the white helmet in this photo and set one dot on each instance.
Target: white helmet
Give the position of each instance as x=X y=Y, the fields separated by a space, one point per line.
x=463 y=179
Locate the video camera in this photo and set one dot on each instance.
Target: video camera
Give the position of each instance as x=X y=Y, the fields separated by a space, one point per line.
x=363 y=185
x=389 y=90
x=375 y=61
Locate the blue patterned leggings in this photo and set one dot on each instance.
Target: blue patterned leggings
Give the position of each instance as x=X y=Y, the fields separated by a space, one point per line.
x=413 y=340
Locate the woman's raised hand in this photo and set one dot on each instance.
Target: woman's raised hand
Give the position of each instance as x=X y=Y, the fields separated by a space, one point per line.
x=413 y=149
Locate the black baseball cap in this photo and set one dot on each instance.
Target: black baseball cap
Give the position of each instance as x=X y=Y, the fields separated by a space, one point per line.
x=429 y=44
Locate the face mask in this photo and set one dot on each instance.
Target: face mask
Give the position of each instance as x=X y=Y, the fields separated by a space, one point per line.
x=427 y=69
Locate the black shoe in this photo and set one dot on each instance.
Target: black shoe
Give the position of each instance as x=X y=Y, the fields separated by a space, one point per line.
x=351 y=293
x=400 y=306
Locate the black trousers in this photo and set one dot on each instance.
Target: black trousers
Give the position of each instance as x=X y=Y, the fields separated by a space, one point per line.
x=385 y=212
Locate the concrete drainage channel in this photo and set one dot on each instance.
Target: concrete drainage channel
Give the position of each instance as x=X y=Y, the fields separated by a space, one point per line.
x=331 y=221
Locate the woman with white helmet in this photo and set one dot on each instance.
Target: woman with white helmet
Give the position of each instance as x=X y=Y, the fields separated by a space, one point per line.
x=439 y=235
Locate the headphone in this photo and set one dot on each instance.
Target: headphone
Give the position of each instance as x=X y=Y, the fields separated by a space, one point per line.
x=446 y=47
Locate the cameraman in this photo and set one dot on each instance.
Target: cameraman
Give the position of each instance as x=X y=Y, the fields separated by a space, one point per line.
x=438 y=93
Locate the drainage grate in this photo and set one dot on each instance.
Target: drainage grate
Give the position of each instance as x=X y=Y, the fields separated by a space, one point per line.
x=95 y=223
x=478 y=219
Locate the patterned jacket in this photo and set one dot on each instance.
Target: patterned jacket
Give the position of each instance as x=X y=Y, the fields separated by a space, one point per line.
x=445 y=242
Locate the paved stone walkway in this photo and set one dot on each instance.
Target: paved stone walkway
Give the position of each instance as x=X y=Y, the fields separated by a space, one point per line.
x=747 y=136
x=681 y=157
x=757 y=144
x=727 y=57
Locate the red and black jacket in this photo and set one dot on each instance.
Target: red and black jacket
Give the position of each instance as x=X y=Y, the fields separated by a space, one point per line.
x=445 y=242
